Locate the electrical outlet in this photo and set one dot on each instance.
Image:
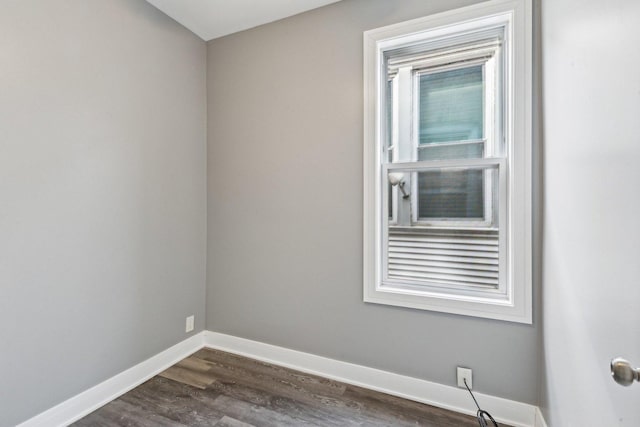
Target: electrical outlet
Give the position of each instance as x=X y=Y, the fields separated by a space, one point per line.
x=190 y=322
x=465 y=374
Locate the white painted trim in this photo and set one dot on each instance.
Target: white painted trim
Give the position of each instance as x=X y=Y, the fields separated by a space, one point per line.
x=88 y=401
x=540 y=421
x=515 y=210
x=506 y=411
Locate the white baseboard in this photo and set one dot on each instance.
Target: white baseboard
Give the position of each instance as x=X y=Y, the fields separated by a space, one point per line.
x=540 y=421
x=88 y=401
x=504 y=411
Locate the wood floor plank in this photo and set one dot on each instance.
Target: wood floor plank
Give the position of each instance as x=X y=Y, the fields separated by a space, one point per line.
x=121 y=413
x=216 y=389
x=230 y=422
x=176 y=401
x=310 y=382
x=345 y=407
x=257 y=415
x=191 y=371
x=314 y=414
x=195 y=363
x=281 y=385
x=389 y=408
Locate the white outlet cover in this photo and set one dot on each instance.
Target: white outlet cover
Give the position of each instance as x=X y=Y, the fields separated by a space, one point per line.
x=465 y=373
x=190 y=324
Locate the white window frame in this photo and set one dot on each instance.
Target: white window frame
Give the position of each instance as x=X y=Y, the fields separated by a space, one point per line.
x=512 y=301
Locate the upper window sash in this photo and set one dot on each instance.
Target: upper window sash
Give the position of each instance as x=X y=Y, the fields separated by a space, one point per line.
x=404 y=104
x=404 y=80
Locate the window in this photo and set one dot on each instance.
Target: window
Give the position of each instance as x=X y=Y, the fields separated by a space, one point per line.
x=447 y=206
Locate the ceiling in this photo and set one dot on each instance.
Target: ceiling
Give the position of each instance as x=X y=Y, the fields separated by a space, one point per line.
x=210 y=19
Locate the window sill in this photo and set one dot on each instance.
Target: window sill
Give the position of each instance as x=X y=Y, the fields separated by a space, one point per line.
x=500 y=307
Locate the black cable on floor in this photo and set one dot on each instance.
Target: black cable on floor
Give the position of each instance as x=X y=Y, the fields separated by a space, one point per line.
x=481 y=414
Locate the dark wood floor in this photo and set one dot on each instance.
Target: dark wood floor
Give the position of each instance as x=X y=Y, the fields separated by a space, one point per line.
x=214 y=388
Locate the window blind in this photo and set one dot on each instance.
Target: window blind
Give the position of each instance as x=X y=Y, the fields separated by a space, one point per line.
x=449 y=257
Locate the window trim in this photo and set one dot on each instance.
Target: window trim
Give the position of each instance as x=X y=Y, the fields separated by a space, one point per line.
x=515 y=304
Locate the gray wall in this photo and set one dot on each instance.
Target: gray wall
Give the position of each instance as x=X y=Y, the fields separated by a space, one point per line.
x=591 y=70
x=103 y=190
x=285 y=208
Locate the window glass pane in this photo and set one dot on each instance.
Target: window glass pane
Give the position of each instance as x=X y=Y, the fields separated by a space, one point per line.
x=473 y=150
x=451 y=106
x=451 y=195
